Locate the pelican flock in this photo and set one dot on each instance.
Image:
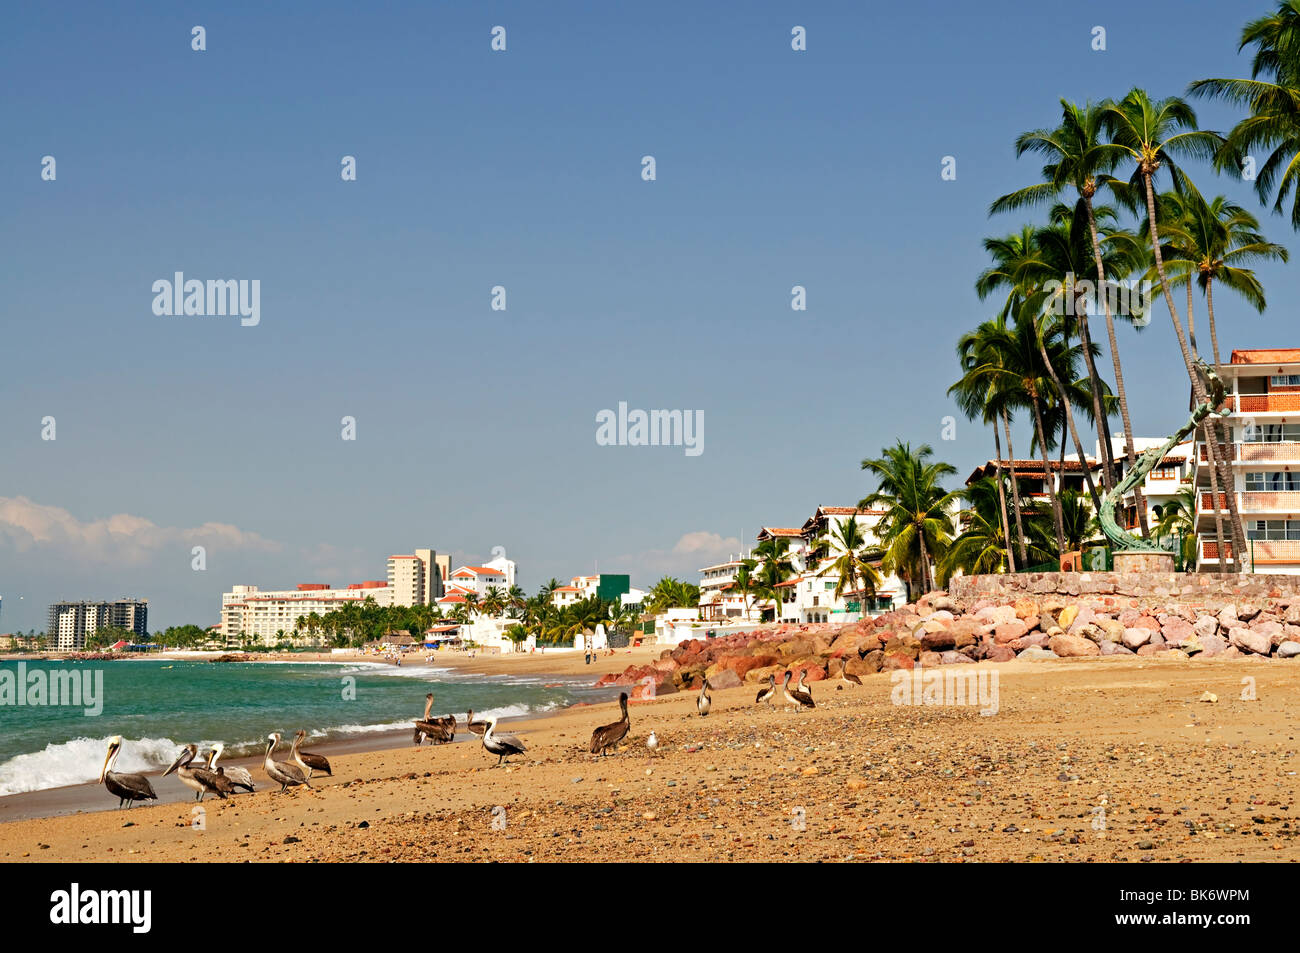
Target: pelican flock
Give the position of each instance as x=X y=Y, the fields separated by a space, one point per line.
x=799 y=697
x=200 y=780
x=239 y=777
x=437 y=730
x=283 y=773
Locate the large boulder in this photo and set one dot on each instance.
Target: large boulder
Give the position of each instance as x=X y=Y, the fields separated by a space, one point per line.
x=1027 y=608
x=1134 y=638
x=1009 y=631
x=1112 y=630
x=1288 y=650
x=1205 y=625
x=907 y=645
x=1073 y=646
x=938 y=641
x=1108 y=648
x=1212 y=645
x=729 y=679
x=1000 y=653
x=1177 y=631
x=1036 y=654
x=1249 y=641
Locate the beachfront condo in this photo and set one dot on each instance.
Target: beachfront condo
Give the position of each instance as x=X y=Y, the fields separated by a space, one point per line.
x=1263 y=444
x=72 y=623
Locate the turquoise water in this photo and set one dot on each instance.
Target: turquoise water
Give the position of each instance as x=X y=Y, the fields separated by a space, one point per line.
x=159 y=705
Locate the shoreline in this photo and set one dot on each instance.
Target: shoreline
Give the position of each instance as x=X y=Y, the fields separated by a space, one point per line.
x=90 y=798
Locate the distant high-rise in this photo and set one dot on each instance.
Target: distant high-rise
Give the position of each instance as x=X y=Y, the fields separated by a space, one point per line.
x=71 y=623
x=418 y=579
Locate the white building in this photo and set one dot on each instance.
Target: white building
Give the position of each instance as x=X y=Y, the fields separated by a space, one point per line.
x=479 y=579
x=264 y=614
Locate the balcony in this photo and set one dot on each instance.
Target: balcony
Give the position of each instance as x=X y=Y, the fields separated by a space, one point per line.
x=1256 y=501
x=1284 y=403
x=1210 y=550
x=1266 y=552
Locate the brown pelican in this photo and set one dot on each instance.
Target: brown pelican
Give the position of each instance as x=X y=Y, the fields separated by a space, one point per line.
x=476 y=727
x=798 y=697
x=437 y=730
x=306 y=760
x=200 y=780
x=129 y=788
x=848 y=676
x=703 y=702
x=503 y=746
x=239 y=777
x=281 y=772
x=767 y=694
x=607 y=736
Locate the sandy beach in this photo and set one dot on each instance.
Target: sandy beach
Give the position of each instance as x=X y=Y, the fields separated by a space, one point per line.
x=1102 y=760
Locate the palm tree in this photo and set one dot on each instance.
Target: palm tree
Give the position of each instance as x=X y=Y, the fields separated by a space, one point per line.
x=982 y=546
x=976 y=394
x=1178 y=517
x=1213 y=240
x=745 y=584
x=1080 y=159
x=1022 y=267
x=916 y=527
x=1154 y=135
x=1274 y=104
x=774 y=568
x=852 y=559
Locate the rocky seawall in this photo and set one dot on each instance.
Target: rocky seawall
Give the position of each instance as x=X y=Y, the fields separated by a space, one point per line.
x=936 y=630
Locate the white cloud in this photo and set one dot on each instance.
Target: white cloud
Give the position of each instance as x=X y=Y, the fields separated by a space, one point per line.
x=122 y=538
x=688 y=555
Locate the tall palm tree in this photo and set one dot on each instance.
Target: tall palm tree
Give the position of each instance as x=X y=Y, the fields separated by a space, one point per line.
x=1079 y=158
x=1272 y=96
x=1155 y=134
x=977 y=394
x=1022 y=265
x=916 y=528
x=852 y=558
x=1212 y=240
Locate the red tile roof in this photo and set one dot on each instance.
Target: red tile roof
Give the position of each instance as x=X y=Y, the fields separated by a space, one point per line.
x=1268 y=355
x=780 y=531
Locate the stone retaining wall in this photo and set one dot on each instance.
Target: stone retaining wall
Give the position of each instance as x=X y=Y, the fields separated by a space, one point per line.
x=1213 y=590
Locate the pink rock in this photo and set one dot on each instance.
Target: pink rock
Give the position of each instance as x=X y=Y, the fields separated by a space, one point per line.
x=1073 y=646
x=1009 y=631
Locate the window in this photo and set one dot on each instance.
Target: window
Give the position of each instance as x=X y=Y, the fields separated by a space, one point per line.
x=1270 y=433
x=1273 y=529
x=1284 y=380
x=1165 y=473
x=1272 y=480
x=829 y=586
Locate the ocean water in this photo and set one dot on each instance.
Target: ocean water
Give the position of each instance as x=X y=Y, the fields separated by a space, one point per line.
x=159 y=705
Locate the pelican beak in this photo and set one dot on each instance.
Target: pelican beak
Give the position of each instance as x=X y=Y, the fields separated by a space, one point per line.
x=177 y=763
x=107 y=758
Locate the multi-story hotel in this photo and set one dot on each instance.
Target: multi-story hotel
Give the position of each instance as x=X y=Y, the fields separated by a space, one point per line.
x=271 y=615
x=418 y=579
x=608 y=586
x=1264 y=447
x=267 y=616
x=71 y=623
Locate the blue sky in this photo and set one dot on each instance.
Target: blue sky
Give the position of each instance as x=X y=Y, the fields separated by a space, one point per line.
x=475 y=168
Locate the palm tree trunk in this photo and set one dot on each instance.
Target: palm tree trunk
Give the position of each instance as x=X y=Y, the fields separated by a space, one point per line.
x=1002 y=498
x=1098 y=405
x=1069 y=419
x=1198 y=389
x=1015 y=492
x=1047 y=471
x=1238 y=531
x=925 y=561
x=1130 y=454
x=1206 y=434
